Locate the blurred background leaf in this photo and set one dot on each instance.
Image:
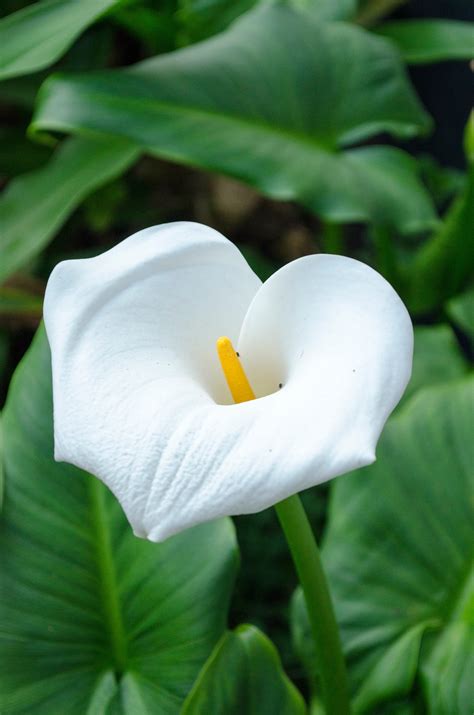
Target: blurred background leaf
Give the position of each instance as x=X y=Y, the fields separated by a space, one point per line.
x=35 y=205
x=307 y=89
x=36 y=36
x=398 y=551
x=423 y=41
x=244 y=675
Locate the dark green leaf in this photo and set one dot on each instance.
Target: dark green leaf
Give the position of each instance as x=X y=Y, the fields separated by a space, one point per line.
x=86 y=609
x=461 y=312
x=271 y=101
x=444 y=264
x=35 y=205
x=398 y=553
x=19 y=302
x=18 y=154
x=37 y=36
x=437 y=358
x=202 y=18
x=422 y=41
x=244 y=675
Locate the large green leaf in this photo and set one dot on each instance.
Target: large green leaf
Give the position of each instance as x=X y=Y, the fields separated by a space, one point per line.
x=89 y=614
x=270 y=101
x=37 y=36
x=36 y=205
x=436 y=358
x=244 y=675
x=398 y=553
x=423 y=41
x=461 y=312
x=445 y=263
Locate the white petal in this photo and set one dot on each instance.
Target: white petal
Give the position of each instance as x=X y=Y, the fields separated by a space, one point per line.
x=133 y=335
x=341 y=344
x=331 y=329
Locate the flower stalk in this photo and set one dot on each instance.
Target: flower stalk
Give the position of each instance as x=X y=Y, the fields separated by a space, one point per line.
x=308 y=565
x=305 y=553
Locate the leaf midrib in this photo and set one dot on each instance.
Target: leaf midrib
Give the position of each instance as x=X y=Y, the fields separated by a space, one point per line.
x=107 y=576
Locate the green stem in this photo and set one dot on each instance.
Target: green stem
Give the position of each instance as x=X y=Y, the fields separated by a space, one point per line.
x=108 y=580
x=305 y=553
x=332 y=238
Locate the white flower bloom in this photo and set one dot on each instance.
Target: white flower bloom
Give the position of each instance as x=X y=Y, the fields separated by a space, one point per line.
x=140 y=399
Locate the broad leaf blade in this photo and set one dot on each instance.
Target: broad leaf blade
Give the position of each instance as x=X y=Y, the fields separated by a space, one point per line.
x=271 y=101
x=423 y=41
x=436 y=358
x=35 y=205
x=244 y=675
x=35 y=37
x=445 y=263
x=82 y=598
x=398 y=554
x=461 y=312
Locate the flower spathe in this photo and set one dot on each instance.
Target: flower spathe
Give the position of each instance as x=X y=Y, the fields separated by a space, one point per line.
x=140 y=399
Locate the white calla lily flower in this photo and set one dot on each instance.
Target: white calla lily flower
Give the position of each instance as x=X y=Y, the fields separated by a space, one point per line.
x=141 y=401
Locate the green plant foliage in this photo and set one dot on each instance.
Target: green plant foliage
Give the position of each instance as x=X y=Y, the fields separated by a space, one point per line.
x=36 y=205
x=398 y=552
x=436 y=358
x=35 y=37
x=16 y=301
x=443 y=265
x=271 y=101
x=18 y=154
x=244 y=675
x=424 y=41
x=461 y=312
x=89 y=614
x=202 y=18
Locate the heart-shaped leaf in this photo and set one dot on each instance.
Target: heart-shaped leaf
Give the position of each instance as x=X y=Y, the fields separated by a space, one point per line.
x=89 y=614
x=398 y=553
x=271 y=101
x=244 y=675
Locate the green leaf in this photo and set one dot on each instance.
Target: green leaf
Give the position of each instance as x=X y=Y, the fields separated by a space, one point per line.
x=88 y=612
x=444 y=264
x=35 y=206
x=436 y=358
x=461 y=312
x=329 y=9
x=244 y=675
x=16 y=302
x=271 y=102
x=35 y=37
x=202 y=18
x=18 y=153
x=398 y=553
x=422 y=41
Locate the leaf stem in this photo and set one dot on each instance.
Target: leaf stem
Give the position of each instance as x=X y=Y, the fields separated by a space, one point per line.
x=307 y=560
x=108 y=579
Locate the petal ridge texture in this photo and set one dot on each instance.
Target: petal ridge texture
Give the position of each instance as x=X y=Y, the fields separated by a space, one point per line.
x=140 y=399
